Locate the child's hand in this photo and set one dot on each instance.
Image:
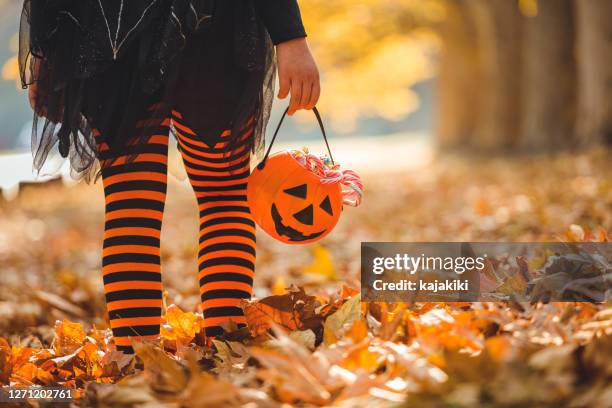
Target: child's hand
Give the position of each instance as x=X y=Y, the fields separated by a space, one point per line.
x=33 y=87
x=32 y=95
x=298 y=74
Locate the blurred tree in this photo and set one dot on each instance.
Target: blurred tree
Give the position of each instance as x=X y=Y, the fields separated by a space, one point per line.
x=594 y=23
x=371 y=52
x=458 y=76
x=519 y=75
x=511 y=98
x=479 y=87
x=549 y=77
x=498 y=38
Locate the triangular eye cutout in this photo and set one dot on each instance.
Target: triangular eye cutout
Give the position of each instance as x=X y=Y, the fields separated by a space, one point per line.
x=299 y=191
x=304 y=216
x=326 y=206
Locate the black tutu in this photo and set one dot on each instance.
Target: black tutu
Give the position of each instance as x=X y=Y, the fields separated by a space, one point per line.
x=118 y=67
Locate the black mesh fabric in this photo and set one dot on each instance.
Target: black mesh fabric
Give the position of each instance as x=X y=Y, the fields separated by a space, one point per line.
x=118 y=66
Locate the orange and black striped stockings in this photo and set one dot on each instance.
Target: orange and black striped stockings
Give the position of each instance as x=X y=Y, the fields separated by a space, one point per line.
x=135 y=196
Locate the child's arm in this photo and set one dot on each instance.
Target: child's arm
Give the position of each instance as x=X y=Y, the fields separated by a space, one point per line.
x=297 y=69
x=298 y=74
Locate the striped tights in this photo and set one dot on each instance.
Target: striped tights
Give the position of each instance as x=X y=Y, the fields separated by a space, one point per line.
x=135 y=196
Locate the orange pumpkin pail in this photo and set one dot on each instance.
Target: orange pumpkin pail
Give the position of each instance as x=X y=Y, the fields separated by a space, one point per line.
x=297 y=197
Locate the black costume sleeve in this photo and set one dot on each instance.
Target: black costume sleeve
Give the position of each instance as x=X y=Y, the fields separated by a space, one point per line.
x=282 y=18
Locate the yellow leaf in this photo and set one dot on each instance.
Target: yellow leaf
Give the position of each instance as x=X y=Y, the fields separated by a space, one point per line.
x=179 y=325
x=358 y=331
x=334 y=324
x=322 y=264
x=279 y=286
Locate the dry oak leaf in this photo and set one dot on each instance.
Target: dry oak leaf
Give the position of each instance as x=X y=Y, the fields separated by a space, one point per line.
x=230 y=355
x=205 y=390
x=294 y=310
x=297 y=374
x=128 y=392
x=163 y=371
x=58 y=302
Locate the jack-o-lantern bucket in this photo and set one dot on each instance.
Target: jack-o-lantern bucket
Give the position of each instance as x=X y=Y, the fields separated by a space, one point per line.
x=297 y=197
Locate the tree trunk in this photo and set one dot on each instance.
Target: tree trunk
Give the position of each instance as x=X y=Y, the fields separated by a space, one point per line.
x=457 y=84
x=499 y=32
x=594 y=51
x=549 y=78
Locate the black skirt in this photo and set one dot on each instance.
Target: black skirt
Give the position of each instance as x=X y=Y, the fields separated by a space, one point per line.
x=118 y=67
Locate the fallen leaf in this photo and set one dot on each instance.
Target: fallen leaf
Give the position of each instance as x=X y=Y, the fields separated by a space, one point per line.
x=69 y=336
x=293 y=310
x=58 y=302
x=334 y=324
x=164 y=373
x=322 y=265
x=306 y=338
x=179 y=326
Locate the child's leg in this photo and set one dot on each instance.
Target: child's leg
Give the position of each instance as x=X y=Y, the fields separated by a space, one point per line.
x=135 y=196
x=226 y=254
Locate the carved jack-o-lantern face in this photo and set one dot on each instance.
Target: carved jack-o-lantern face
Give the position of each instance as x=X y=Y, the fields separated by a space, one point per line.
x=290 y=203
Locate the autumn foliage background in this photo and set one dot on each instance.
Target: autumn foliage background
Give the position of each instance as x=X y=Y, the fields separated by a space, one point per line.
x=517 y=150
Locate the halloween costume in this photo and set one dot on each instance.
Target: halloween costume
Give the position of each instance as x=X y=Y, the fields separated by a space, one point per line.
x=135 y=195
x=113 y=77
x=102 y=64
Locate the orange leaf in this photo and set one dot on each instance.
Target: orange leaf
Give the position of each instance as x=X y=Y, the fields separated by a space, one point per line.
x=180 y=325
x=69 y=336
x=575 y=233
x=25 y=374
x=358 y=331
x=348 y=292
x=44 y=375
x=362 y=358
x=498 y=347
x=92 y=358
x=5 y=361
x=602 y=235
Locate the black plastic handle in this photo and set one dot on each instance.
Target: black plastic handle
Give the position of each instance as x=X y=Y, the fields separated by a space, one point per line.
x=317 y=115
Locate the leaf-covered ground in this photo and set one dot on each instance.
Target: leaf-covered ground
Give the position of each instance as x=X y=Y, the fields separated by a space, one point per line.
x=310 y=341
